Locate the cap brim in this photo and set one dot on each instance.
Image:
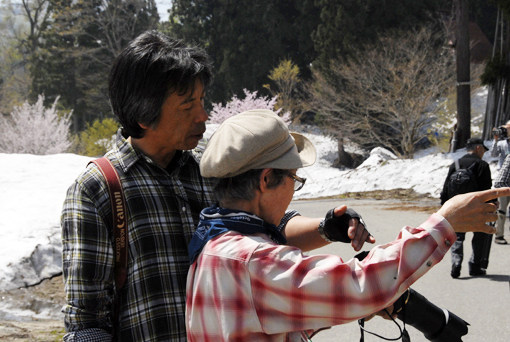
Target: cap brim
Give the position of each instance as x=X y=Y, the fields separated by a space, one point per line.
x=306 y=150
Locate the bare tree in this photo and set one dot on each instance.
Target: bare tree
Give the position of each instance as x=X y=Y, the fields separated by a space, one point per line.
x=21 y=27
x=27 y=32
x=387 y=94
x=116 y=23
x=37 y=14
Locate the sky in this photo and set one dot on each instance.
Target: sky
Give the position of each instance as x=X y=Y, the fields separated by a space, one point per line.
x=33 y=189
x=163 y=7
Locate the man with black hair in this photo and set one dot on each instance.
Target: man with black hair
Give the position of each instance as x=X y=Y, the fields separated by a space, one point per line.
x=482 y=181
x=156 y=88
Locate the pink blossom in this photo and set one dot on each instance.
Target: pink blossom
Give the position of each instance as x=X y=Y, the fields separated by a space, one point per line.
x=220 y=113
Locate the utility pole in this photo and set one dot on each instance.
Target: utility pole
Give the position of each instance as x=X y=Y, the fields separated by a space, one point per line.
x=463 y=132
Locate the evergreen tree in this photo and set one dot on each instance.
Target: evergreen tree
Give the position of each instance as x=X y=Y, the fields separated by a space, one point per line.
x=246 y=38
x=79 y=48
x=347 y=25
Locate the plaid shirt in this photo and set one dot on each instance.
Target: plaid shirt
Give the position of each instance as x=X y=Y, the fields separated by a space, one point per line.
x=247 y=288
x=163 y=208
x=503 y=177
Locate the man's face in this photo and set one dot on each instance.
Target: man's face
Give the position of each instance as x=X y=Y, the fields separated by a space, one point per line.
x=182 y=121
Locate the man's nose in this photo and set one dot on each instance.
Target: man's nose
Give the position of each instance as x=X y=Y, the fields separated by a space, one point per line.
x=202 y=115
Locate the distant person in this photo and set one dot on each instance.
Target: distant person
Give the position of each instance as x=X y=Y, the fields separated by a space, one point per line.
x=453 y=139
x=246 y=284
x=502 y=180
x=481 y=179
x=500 y=149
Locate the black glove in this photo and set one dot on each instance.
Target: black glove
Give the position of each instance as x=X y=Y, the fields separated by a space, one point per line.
x=335 y=228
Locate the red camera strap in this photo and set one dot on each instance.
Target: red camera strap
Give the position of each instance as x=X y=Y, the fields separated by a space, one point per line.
x=119 y=214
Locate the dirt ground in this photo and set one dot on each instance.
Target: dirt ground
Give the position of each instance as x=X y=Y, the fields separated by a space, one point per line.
x=49 y=295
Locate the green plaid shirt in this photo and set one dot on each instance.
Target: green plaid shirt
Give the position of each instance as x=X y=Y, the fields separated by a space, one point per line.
x=162 y=213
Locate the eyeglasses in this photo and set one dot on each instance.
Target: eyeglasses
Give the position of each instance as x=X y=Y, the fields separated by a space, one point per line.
x=298 y=181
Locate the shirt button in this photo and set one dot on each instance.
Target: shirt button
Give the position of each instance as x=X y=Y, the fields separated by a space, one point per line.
x=447 y=242
x=429 y=263
x=183 y=208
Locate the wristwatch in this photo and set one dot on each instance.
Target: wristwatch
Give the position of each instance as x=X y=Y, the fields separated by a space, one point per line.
x=321 y=231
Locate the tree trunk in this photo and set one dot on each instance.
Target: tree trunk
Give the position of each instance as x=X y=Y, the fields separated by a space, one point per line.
x=463 y=75
x=346 y=159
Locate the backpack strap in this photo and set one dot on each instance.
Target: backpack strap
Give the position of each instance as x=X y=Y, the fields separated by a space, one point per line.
x=118 y=203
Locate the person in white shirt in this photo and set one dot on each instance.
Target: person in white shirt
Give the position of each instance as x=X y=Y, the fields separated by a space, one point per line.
x=500 y=149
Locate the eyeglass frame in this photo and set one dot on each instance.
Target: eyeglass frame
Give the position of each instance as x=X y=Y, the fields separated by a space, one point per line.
x=299 y=182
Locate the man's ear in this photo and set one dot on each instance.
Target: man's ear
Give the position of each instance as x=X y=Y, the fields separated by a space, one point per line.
x=265 y=179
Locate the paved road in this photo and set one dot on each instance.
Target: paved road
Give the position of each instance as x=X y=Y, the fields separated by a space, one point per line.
x=484 y=302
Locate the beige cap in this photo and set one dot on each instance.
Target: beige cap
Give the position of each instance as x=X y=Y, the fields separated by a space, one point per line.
x=255 y=139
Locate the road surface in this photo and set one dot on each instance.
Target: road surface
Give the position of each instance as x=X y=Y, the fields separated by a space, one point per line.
x=484 y=302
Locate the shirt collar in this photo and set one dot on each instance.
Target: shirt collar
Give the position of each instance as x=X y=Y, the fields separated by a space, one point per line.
x=128 y=156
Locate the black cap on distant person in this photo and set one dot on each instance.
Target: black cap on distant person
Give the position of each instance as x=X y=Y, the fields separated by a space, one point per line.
x=476 y=141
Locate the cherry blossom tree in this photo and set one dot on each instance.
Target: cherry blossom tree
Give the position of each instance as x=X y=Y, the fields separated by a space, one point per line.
x=235 y=106
x=35 y=129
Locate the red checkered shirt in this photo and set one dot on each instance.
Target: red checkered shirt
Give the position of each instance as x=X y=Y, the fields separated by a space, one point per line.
x=248 y=288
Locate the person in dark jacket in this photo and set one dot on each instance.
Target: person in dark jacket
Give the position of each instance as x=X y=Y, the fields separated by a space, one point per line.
x=481 y=242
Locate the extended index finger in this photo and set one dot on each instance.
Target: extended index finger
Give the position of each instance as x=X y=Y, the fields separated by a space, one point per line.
x=490 y=194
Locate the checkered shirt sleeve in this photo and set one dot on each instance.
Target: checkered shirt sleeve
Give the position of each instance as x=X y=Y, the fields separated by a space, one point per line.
x=247 y=288
x=503 y=177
